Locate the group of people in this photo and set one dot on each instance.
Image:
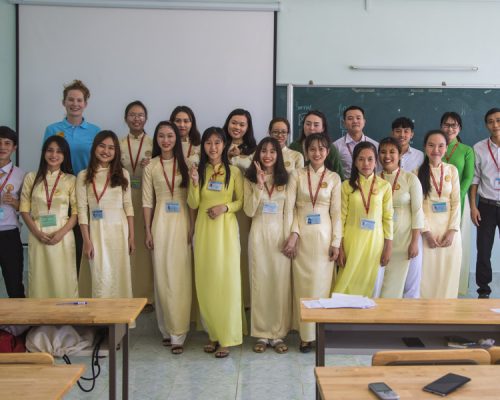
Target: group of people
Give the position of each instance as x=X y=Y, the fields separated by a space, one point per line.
x=263 y=224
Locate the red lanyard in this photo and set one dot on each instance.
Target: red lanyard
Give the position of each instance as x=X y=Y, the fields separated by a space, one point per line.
x=98 y=198
x=170 y=187
x=270 y=192
x=189 y=149
x=395 y=179
x=218 y=172
x=132 y=162
x=489 y=148
x=49 y=198
x=313 y=199
x=452 y=151
x=367 y=204
x=7 y=179
x=440 y=189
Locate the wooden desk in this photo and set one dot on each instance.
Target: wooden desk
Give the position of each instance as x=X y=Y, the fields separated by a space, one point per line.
x=351 y=383
x=37 y=381
x=405 y=317
x=115 y=314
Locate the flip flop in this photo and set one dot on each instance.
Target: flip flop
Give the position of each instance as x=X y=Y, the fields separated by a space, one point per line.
x=211 y=347
x=280 y=347
x=221 y=354
x=260 y=346
x=177 y=349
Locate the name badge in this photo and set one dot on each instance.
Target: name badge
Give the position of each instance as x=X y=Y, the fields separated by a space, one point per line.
x=270 y=207
x=497 y=183
x=367 y=224
x=215 y=186
x=48 y=220
x=172 y=207
x=313 y=219
x=439 y=207
x=135 y=182
x=2 y=214
x=97 y=214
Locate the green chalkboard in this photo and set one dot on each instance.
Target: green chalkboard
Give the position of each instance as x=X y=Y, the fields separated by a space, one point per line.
x=382 y=105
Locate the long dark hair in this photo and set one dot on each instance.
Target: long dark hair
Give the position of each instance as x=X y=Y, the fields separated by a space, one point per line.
x=424 y=172
x=249 y=144
x=353 y=180
x=115 y=166
x=194 y=133
x=213 y=130
x=280 y=175
x=454 y=116
x=179 y=156
x=43 y=166
x=325 y=141
x=323 y=119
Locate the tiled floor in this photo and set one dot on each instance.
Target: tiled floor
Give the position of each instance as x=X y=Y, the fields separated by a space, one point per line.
x=155 y=373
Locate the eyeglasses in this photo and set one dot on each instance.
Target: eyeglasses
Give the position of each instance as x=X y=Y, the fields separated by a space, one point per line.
x=279 y=133
x=451 y=126
x=138 y=116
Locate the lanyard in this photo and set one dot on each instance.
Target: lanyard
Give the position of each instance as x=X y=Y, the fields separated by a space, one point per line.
x=395 y=179
x=189 y=149
x=270 y=192
x=216 y=173
x=132 y=162
x=489 y=149
x=7 y=179
x=440 y=189
x=313 y=199
x=49 y=198
x=170 y=187
x=365 y=203
x=98 y=198
x=452 y=151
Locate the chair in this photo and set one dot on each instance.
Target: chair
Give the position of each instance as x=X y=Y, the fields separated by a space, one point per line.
x=494 y=354
x=26 y=358
x=432 y=357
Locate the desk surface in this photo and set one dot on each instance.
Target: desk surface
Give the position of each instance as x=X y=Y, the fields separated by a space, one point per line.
x=411 y=311
x=351 y=383
x=37 y=381
x=48 y=312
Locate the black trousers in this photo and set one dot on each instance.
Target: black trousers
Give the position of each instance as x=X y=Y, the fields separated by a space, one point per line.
x=78 y=247
x=490 y=220
x=11 y=261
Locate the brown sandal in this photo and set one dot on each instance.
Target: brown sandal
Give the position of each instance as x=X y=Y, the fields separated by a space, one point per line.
x=177 y=349
x=280 y=347
x=211 y=347
x=221 y=353
x=260 y=346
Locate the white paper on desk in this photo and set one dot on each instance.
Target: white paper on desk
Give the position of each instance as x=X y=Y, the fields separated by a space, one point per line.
x=340 y=300
x=497 y=310
x=312 y=304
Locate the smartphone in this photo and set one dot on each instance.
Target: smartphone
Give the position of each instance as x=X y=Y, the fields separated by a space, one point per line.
x=446 y=384
x=382 y=391
x=459 y=342
x=413 y=342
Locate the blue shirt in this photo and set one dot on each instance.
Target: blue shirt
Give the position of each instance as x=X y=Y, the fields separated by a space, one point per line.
x=79 y=138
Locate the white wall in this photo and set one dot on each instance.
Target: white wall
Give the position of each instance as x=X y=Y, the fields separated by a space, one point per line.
x=7 y=64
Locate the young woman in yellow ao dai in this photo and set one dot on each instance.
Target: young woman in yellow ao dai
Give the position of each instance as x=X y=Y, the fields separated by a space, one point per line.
x=216 y=191
x=46 y=198
x=367 y=224
x=136 y=150
x=279 y=128
x=442 y=240
x=106 y=218
x=313 y=204
x=168 y=234
x=270 y=269
x=408 y=217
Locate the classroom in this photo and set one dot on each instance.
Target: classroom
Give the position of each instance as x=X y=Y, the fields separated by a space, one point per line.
x=394 y=58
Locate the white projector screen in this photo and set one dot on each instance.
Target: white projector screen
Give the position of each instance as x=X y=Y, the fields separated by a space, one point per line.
x=212 y=61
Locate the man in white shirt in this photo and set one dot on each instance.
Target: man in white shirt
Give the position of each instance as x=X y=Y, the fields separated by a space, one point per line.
x=403 y=131
x=486 y=214
x=354 y=122
x=11 y=182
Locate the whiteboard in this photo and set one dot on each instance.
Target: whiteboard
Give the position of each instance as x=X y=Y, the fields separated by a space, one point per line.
x=212 y=61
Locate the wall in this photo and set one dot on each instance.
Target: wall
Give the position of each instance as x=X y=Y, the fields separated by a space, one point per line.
x=7 y=64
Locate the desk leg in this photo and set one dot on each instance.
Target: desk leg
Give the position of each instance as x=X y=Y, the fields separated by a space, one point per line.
x=125 y=363
x=112 y=361
x=320 y=351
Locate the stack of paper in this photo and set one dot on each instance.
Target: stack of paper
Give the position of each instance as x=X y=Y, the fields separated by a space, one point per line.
x=339 y=300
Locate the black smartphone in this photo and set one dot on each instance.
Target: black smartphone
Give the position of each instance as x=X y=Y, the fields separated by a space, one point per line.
x=446 y=384
x=383 y=391
x=413 y=342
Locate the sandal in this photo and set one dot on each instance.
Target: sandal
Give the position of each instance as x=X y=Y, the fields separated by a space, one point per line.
x=211 y=347
x=166 y=342
x=280 y=347
x=306 y=347
x=260 y=346
x=177 y=349
x=222 y=353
